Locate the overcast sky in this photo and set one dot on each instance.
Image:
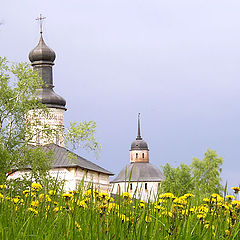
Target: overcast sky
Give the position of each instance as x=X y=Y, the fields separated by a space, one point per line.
x=177 y=62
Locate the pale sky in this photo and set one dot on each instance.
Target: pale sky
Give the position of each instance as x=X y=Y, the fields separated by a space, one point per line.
x=177 y=62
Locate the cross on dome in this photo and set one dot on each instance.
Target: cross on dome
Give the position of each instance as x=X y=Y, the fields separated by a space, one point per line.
x=40 y=19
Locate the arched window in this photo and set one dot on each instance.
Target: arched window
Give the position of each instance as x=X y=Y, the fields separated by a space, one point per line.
x=136 y=155
x=57 y=139
x=145 y=186
x=143 y=155
x=38 y=138
x=130 y=186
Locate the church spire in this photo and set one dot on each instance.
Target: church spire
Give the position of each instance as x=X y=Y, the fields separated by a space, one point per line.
x=139 y=132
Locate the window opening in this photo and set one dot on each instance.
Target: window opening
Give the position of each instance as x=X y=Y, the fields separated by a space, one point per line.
x=145 y=186
x=57 y=139
x=38 y=138
x=143 y=155
x=130 y=186
x=136 y=155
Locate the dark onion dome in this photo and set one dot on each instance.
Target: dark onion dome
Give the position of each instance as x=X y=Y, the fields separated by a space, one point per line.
x=140 y=172
x=48 y=97
x=42 y=58
x=42 y=52
x=139 y=145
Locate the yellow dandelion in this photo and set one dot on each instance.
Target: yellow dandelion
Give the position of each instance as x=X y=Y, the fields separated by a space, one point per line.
x=167 y=196
x=52 y=192
x=82 y=204
x=88 y=192
x=33 y=210
x=35 y=203
x=127 y=195
x=229 y=197
x=36 y=187
x=201 y=216
x=124 y=218
x=141 y=205
x=67 y=196
x=41 y=196
x=78 y=226
x=227 y=232
x=236 y=189
x=180 y=201
x=189 y=195
x=26 y=192
x=148 y=219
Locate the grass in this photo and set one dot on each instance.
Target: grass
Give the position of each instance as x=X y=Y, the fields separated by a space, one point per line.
x=39 y=213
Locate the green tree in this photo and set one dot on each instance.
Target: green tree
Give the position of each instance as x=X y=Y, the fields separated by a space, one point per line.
x=19 y=84
x=206 y=174
x=202 y=177
x=178 y=180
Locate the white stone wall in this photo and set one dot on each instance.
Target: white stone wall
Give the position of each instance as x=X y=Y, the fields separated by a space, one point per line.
x=75 y=176
x=40 y=122
x=138 y=189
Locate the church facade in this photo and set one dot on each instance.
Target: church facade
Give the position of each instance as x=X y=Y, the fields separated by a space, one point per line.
x=140 y=178
x=66 y=166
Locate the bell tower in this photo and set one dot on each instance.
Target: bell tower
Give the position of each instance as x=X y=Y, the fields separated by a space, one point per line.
x=139 y=149
x=42 y=59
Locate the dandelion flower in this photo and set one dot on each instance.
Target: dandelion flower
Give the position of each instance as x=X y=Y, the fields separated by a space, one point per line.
x=67 y=196
x=36 y=187
x=236 y=189
x=78 y=226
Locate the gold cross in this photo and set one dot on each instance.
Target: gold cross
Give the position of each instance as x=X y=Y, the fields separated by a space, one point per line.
x=40 y=19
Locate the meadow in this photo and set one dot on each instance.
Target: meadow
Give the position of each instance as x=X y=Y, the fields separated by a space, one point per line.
x=42 y=213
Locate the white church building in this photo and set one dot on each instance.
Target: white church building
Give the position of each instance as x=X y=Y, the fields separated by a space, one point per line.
x=64 y=167
x=140 y=178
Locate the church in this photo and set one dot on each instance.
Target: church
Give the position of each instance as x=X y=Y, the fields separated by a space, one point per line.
x=140 y=178
x=64 y=167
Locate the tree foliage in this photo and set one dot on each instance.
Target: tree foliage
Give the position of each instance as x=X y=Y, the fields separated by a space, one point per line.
x=206 y=173
x=178 y=180
x=82 y=135
x=202 y=177
x=19 y=85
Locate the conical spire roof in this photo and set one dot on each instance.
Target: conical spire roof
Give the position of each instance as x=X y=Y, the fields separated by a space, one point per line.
x=139 y=143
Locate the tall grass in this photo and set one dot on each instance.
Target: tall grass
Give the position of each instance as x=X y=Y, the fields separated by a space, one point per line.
x=42 y=213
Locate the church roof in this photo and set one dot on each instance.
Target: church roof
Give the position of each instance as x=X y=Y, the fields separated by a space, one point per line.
x=62 y=159
x=139 y=172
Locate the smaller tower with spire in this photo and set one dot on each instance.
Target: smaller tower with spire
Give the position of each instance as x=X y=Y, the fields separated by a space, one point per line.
x=140 y=178
x=139 y=151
